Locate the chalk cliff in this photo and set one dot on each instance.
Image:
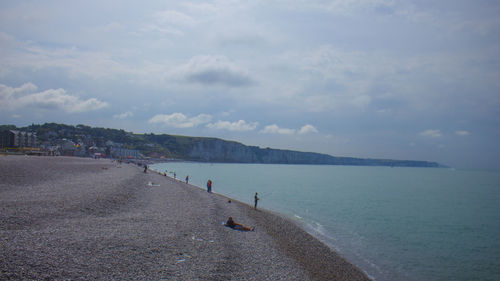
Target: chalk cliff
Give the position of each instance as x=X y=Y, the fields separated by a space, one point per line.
x=217 y=150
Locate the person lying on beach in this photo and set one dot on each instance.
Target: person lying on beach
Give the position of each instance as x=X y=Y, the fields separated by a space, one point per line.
x=234 y=225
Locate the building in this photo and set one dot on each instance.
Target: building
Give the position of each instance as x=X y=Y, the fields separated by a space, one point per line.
x=67 y=147
x=124 y=153
x=6 y=139
x=18 y=139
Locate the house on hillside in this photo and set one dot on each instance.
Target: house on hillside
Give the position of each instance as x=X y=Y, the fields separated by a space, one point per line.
x=66 y=147
x=96 y=152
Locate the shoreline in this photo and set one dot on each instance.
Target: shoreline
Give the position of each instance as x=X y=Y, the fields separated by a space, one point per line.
x=73 y=218
x=278 y=225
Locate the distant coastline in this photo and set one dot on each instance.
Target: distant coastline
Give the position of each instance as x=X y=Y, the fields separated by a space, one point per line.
x=111 y=142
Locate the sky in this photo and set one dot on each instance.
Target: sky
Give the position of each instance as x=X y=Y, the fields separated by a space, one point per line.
x=409 y=80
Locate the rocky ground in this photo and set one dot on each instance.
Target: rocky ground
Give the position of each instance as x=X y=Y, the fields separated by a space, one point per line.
x=78 y=218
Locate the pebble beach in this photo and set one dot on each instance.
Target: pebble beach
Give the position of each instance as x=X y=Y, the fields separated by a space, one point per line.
x=86 y=219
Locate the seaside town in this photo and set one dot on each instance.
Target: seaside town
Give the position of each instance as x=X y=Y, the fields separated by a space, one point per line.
x=55 y=144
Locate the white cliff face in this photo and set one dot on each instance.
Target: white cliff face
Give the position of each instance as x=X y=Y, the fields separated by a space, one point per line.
x=222 y=151
x=218 y=150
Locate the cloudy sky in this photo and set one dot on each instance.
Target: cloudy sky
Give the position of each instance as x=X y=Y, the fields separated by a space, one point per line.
x=365 y=78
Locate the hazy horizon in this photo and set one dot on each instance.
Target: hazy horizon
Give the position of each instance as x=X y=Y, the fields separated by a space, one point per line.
x=411 y=80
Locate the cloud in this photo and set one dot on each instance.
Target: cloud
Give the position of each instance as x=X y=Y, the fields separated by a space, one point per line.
x=8 y=92
x=75 y=62
x=14 y=98
x=307 y=129
x=462 y=133
x=275 y=129
x=328 y=77
x=179 y=120
x=174 y=17
x=240 y=125
x=168 y=22
x=201 y=119
x=123 y=115
x=431 y=133
x=166 y=30
x=214 y=70
x=352 y=8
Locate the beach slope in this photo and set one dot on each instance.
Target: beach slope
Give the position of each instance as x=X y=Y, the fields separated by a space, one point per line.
x=78 y=218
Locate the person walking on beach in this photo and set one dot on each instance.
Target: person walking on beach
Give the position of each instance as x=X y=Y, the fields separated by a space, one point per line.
x=256 y=198
x=145 y=168
x=209 y=186
x=187 y=179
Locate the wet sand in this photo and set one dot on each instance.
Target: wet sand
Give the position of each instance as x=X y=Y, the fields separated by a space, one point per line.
x=78 y=218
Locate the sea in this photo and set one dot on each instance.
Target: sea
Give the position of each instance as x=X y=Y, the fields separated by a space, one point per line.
x=396 y=223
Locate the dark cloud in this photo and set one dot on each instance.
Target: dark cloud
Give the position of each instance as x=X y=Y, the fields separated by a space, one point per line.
x=215 y=70
x=220 y=77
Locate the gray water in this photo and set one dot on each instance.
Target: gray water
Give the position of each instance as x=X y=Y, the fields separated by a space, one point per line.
x=393 y=223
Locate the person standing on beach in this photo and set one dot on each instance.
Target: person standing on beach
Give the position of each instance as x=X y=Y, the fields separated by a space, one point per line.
x=256 y=198
x=187 y=179
x=209 y=186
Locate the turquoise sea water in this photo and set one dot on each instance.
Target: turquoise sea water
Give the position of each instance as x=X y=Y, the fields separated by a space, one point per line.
x=394 y=223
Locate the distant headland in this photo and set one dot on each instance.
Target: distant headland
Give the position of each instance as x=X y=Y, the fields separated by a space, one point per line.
x=82 y=140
